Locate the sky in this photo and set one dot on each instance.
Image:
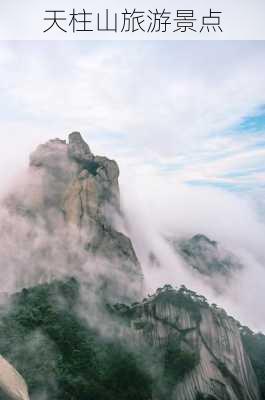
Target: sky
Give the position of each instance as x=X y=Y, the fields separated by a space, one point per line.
x=194 y=111
x=184 y=120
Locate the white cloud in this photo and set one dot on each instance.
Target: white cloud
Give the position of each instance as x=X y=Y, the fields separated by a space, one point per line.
x=156 y=208
x=166 y=96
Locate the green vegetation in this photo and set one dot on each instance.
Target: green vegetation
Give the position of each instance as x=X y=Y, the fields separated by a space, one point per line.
x=60 y=357
x=182 y=298
x=91 y=167
x=177 y=362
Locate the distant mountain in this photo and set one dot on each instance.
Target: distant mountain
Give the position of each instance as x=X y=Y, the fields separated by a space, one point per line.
x=206 y=256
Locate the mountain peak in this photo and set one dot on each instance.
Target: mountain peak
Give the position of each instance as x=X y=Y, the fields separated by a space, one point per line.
x=68 y=188
x=203 y=239
x=78 y=149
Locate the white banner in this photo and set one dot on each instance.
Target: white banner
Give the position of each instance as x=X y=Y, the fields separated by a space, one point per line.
x=134 y=20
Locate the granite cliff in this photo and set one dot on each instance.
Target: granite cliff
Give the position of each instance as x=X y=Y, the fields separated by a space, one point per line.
x=188 y=331
x=66 y=207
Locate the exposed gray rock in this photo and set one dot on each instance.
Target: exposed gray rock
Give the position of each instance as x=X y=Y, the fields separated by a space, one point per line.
x=78 y=149
x=88 y=194
x=49 y=155
x=222 y=370
x=69 y=189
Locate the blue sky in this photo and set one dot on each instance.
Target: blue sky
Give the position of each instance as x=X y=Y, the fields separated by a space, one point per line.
x=251 y=131
x=193 y=112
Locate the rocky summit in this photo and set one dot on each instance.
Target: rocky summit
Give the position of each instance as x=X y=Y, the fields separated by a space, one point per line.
x=73 y=323
x=71 y=195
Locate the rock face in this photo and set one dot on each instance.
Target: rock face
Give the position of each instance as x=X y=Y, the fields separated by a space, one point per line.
x=95 y=186
x=208 y=258
x=12 y=385
x=205 y=339
x=69 y=189
x=71 y=179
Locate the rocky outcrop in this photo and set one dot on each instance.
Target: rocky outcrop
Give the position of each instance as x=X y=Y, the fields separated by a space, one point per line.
x=69 y=178
x=78 y=149
x=69 y=189
x=12 y=385
x=94 y=188
x=204 y=337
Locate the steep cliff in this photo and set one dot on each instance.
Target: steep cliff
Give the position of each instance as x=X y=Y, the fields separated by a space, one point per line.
x=66 y=206
x=254 y=343
x=203 y=351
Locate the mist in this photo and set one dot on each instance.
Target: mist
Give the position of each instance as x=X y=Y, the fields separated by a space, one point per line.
x=153 y=207
x=157 y=207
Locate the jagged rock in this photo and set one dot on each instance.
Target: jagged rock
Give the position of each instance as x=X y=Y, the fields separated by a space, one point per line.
x=50 y=154
x=78 y=149
x=107 y=239
x=69 y=177
x=208 y=336
x=12 y=385
x=88 y=195
x=69 y=189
